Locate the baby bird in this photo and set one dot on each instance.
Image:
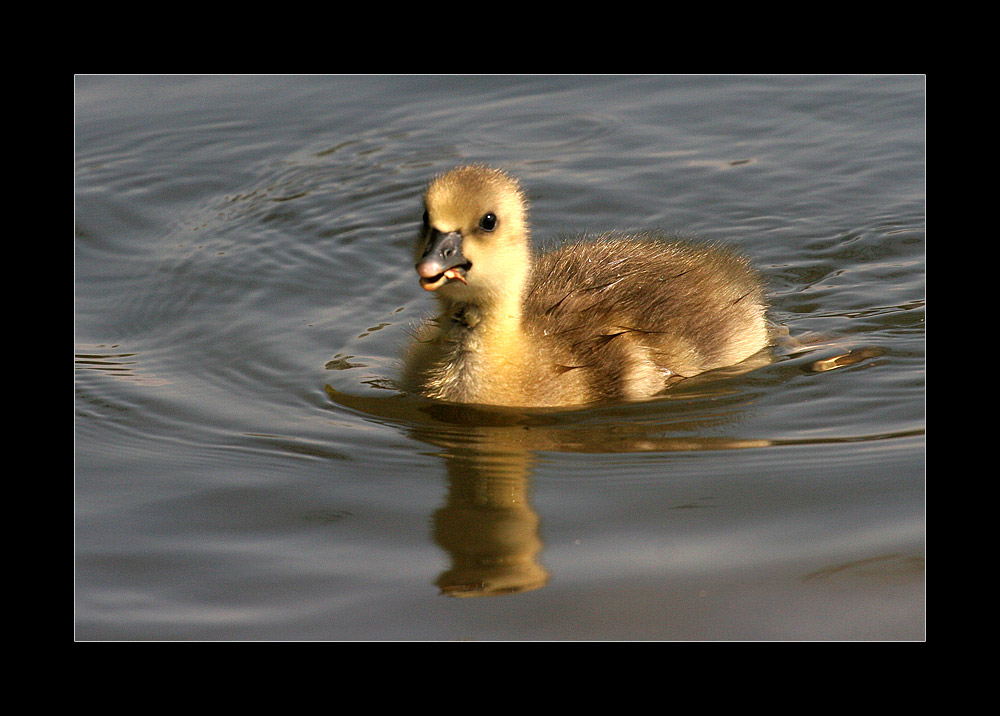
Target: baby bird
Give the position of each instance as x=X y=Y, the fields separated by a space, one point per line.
x=613 y=318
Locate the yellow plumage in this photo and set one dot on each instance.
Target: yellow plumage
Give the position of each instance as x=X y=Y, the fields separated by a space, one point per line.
x=615 y=317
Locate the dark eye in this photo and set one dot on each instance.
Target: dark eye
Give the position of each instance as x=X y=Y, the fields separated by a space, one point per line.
x=488 y=222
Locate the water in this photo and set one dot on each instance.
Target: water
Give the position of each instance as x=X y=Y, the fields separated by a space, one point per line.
x=244 y=287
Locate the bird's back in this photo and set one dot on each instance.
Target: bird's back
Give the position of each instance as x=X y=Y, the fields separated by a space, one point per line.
x=632 y=311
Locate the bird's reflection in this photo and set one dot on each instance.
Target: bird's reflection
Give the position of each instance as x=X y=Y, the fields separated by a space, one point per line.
x=487 y=524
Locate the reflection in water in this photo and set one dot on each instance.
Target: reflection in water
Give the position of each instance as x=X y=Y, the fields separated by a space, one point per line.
x=894 y=567
x=114 y=361
x=844 y=354
x=845 y=359
x=487 y=524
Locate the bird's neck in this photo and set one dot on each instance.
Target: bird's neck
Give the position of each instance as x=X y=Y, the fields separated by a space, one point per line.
x=482 y=344
x=487 y=315
x=497 y=307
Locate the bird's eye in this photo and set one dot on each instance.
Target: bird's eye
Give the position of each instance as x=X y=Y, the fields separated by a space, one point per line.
x=488 y=222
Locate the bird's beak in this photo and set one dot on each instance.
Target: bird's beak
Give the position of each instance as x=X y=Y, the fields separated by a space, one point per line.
x=442 y=260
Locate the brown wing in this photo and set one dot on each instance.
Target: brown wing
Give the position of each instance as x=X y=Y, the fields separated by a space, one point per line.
x=689 y=307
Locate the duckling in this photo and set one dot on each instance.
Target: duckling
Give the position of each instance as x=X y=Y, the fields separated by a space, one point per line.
x=617 y=317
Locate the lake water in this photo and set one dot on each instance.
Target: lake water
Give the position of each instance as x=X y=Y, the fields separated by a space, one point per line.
x=244 y=469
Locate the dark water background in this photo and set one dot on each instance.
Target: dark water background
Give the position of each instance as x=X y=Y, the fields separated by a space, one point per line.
x=244 y=287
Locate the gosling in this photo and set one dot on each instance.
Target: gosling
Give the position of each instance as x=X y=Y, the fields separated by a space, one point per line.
x=619 y=317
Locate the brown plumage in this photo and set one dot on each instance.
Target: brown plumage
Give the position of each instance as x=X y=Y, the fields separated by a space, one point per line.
x=614 y=317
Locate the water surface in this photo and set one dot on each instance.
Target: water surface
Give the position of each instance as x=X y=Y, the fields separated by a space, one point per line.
x=244 y=287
